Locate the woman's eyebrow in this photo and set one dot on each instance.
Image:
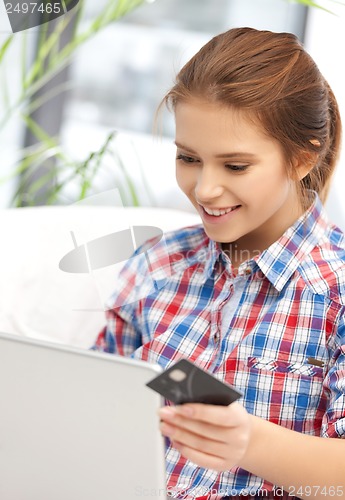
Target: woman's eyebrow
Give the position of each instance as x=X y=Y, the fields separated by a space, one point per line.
x=181 y=146
x=234 y=154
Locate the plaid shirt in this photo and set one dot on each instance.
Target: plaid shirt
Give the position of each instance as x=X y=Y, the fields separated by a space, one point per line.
x=275 y=330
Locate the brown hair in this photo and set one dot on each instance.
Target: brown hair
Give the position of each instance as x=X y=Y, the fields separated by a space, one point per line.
x=272 y=76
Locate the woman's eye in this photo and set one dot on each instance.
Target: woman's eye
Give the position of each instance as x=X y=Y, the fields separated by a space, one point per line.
x=185 y=158
x=237 y=168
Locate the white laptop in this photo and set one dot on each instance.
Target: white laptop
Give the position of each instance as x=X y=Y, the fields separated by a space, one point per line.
x=77 y=425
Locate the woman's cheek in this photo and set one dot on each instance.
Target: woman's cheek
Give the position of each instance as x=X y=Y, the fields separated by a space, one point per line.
x=185 y=179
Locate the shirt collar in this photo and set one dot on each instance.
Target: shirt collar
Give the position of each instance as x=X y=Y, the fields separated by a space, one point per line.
x=280 y=260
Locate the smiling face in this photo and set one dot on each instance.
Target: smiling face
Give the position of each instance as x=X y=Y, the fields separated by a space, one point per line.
x=225 y=161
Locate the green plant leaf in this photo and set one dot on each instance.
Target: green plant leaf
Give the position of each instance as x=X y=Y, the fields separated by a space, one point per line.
x=5 y=46
x=37 y=103
x=4 y=89
x=49 y=61
x=310 y=3
x=46 y=139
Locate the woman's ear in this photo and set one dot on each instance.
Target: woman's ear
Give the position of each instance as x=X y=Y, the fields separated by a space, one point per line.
x=305 y=163
x=304 y=169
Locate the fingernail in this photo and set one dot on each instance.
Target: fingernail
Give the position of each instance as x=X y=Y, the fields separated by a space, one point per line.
x=167 y=412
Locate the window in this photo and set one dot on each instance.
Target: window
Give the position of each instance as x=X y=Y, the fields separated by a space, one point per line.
x=120 y=76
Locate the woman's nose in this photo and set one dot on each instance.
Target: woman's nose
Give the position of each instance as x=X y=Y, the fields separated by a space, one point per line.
x=209 y=185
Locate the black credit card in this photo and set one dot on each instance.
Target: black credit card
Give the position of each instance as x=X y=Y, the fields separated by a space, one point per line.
x=184 y=382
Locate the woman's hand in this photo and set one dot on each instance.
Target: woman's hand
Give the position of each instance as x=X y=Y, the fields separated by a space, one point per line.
x=214 y=437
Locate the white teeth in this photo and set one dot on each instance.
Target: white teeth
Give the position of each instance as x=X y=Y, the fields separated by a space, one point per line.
x=218 y=212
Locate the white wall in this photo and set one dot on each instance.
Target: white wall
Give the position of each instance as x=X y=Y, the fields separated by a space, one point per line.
x=325 y=41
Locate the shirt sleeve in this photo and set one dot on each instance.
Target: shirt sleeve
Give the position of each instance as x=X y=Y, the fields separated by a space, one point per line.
x=144 y=273
x=121 y=334
x=333 y=424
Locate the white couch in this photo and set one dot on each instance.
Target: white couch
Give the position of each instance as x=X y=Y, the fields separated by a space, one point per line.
x=39 y=300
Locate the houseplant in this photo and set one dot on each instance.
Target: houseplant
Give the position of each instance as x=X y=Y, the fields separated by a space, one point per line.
x=46 y=155
x=51 y=58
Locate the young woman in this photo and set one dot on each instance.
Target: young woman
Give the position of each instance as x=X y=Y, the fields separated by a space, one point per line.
x=256 y=294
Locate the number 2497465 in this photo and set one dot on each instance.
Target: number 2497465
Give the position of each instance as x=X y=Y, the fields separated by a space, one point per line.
x=306 y=491
x=30 y=8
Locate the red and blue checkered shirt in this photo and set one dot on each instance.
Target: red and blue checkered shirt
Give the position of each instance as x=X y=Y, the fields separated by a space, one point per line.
x=275 y=330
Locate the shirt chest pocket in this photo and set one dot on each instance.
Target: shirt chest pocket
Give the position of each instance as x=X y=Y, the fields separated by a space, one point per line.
x=286 y=393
